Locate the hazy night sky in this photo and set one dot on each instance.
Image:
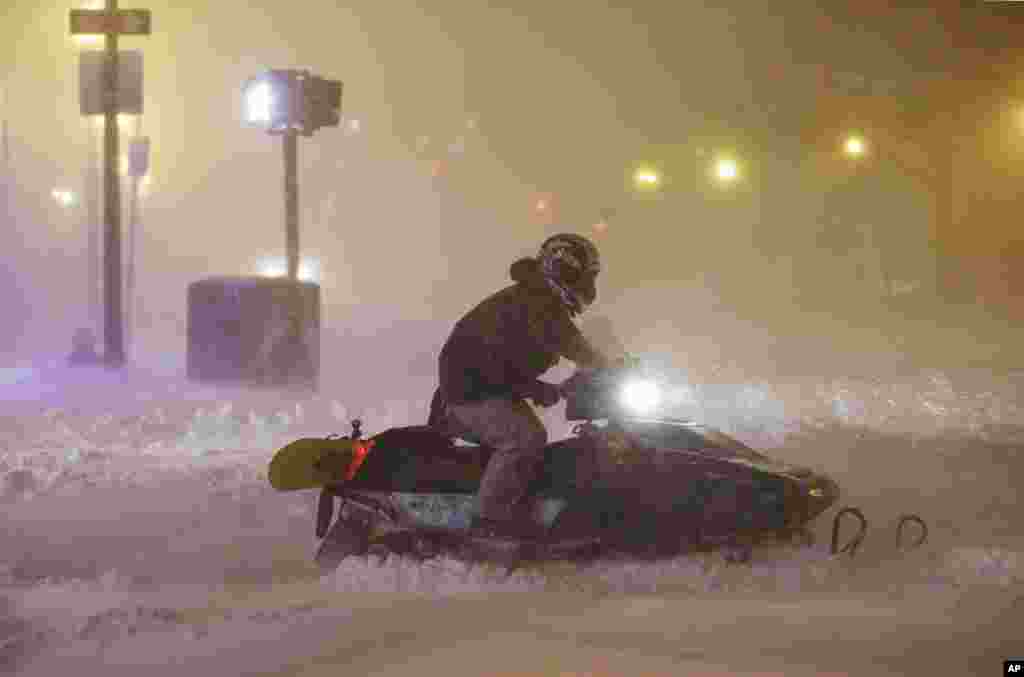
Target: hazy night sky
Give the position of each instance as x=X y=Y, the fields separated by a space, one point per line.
x=565 y=99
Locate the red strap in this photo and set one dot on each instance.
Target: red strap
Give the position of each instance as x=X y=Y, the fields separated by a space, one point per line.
x=360 y=449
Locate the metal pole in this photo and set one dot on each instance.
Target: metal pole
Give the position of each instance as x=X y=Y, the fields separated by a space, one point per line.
x=92 y=230
x=113 y=333
x=129 y=273
x=8 y=212
x=133 y=230
x=294 y=312
x=291 y=202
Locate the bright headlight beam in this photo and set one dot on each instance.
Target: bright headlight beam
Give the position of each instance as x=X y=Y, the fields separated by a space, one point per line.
x=641 y=397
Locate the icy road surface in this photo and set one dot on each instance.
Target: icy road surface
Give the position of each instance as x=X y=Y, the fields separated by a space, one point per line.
x=139 y=536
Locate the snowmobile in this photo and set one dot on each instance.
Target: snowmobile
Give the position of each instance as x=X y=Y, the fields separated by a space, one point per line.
x=625 y=481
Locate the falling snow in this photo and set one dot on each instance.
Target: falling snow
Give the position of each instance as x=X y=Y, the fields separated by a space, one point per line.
x=132 y=523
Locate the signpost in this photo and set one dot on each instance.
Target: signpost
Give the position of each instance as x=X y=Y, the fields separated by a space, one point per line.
x=111 y=22
x=91 y=94
x=5 y=151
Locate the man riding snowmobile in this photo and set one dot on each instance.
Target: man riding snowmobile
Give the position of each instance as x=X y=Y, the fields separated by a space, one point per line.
x=490 y=366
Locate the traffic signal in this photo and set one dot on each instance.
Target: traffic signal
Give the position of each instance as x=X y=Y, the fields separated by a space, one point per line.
x=270 y=100
x=284 y=101
x=321 y=103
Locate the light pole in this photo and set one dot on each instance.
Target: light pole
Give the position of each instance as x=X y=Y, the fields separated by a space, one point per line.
x=138 y=167
x=6 y=152
x=111 y=22
x=855 y=147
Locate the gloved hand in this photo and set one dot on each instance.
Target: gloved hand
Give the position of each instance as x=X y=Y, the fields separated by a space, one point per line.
x=627 y=361
x=545 y=394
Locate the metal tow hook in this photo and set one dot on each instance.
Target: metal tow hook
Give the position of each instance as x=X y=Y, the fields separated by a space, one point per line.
x=854 y=543
x=904 y=519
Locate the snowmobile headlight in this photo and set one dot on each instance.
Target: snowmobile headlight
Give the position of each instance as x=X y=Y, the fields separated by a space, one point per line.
x=640 y=396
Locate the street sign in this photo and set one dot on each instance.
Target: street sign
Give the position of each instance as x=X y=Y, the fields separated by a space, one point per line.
x=110 y=84
x=129 y=82
x=101 y=22
x=138 y=157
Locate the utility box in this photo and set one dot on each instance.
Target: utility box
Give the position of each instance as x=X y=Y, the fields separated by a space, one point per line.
x=256 y=331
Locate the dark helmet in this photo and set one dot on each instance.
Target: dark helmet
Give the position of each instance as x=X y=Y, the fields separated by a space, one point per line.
x=570 y=263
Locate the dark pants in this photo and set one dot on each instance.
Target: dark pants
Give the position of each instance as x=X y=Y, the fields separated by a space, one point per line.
x=518 y=437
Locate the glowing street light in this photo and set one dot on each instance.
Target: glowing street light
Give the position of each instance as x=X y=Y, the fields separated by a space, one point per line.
x=646 y=178
x=545 y=207
x=293 y=102
x=64 y=197
x=277 y=266
x=855 y=146
x=288 y=103
x=726 y=170
x=259 y=103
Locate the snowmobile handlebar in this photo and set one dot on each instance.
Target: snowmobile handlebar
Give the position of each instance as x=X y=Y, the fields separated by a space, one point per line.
x=616 y=371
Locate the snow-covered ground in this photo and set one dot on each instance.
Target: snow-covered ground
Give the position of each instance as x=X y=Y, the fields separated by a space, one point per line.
x=139 y=536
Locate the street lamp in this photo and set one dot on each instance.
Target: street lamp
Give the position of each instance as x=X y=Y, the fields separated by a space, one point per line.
x=289 y=103
x=259 y=103
x=646 y=178
x=855 y=146
x=64 y=197
x=545 y=208
x=726 y=171
x=276 y=266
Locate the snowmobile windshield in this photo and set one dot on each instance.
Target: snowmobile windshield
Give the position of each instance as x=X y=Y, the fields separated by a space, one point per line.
x=691 y=436
x=731 y=444
x=684 y=435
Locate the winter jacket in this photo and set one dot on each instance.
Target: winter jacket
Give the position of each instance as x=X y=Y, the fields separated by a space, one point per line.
x=500 y=347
